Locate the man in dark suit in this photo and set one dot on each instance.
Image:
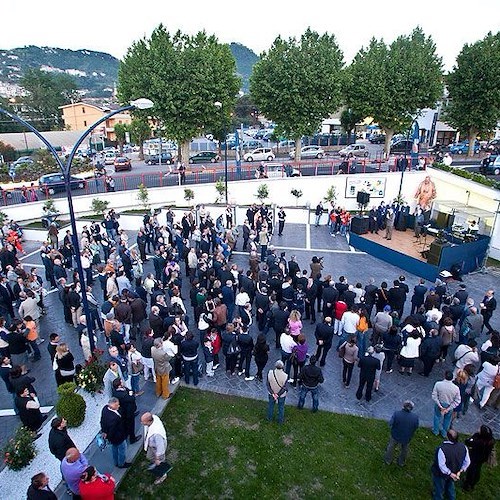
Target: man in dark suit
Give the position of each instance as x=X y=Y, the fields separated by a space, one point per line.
x=418 y=296
x=488 y=305
x=397 y=296
x=6 y=299
x=127 y=409
x=113 y=429
x=368 y=365
x=324 y=338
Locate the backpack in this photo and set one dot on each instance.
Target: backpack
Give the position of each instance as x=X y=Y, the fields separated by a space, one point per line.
x=234 y=347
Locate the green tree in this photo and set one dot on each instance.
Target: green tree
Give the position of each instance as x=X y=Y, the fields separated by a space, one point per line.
x=121 y=130
x=474 y=93
x=297 y=83
x=140 y=131
x=6 y=124
x=143 y=195
x=348 y=120
x=184 y=76
x=393 y=83
x=45 y=93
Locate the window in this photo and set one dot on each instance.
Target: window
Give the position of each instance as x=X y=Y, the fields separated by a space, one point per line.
x=84 y=123
x=83 y=110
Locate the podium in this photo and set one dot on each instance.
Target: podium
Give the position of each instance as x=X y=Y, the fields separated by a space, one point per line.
x=359 y=224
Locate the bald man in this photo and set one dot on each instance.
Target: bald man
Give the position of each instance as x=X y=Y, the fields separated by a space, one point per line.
x=72 y=467
x=155 y=446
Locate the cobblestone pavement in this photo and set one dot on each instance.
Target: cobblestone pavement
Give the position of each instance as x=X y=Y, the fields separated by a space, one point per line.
x=338 y=260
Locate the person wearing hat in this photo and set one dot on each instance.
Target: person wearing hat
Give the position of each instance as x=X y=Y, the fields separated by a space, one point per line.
x=368 y=365
x=403 y=425
x=277 y=383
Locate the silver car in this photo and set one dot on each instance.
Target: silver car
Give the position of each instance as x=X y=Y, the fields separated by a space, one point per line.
x=309 y=152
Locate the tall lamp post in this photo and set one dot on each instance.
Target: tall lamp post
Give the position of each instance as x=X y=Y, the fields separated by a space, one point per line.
x=218 y=104
x=413 y=133
x=66 y=171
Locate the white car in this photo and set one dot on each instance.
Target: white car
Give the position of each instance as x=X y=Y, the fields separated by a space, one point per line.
x=109 y=158
x=273 y=170
x=260 y=154
x=309 y=152
x=354 y=150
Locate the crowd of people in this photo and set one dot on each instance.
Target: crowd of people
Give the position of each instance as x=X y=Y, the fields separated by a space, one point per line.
x=198 y=309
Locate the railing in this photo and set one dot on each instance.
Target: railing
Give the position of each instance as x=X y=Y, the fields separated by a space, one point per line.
x=200 y=175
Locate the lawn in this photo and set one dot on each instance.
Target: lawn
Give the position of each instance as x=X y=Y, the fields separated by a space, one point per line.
x=222 y=447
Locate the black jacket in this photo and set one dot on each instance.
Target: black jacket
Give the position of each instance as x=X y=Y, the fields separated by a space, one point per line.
x=36 y=494
x=369 y=365
x=60 y=443
x=113 y=426
x=311 y=376
x=245 y=342
x=324 y=332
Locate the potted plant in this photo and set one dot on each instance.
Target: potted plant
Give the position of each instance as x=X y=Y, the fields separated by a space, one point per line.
x=297 y=193
x=19 y=450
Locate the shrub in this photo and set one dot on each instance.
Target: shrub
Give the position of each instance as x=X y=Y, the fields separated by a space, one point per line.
x=91 y=376
x=20 y=450
x=99 y=206
x=262 y=192
x=473 y=176
x=71 y=406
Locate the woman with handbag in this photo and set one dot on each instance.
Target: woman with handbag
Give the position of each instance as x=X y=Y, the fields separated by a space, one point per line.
x=64 y=365
x=488 y=379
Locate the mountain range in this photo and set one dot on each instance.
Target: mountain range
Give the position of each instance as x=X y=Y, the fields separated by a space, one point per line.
x=94 y=72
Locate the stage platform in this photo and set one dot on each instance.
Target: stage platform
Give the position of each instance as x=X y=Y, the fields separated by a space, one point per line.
x=410 y=254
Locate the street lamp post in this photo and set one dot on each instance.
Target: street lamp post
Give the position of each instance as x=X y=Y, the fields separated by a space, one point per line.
x=66 y=171
x=218 y=104
x=412 y=131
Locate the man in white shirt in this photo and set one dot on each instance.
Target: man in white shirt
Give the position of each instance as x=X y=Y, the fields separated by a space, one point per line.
x=466 y=354
x=348 y=325
x=287 y=344
x=155 y=446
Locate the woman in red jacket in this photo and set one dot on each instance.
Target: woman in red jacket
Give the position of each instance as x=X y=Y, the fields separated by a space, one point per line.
x=95 y=486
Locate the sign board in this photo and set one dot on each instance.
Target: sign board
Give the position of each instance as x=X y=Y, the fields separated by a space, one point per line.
x=375 y=186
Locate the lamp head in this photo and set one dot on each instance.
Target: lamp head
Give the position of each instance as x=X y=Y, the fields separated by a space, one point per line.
x=142 y=103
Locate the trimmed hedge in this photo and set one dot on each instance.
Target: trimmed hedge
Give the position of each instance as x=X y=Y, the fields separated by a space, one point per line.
x=473 y=176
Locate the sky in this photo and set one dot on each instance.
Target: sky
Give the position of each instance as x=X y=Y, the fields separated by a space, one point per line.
x=112 y=26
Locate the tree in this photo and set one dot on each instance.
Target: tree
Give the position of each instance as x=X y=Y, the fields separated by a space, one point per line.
x=348 y=120
x=220 y=187
x=6 y=124
x=297 y=83
x=46 y=92
x=143 y=195
x=140 y=131
x=184 y=76
x=262 y=192
x=188 y=194
x=474 y=93
x=121 y=130
x=297 y=193
x=331 y=195
x=99 y=206
x=393 y=83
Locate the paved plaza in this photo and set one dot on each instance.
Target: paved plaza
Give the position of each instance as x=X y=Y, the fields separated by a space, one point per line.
x=339 y=259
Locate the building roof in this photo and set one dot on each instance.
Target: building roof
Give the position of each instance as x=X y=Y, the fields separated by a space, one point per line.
x=28 y=140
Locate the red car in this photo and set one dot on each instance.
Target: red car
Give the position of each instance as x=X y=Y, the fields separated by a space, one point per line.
x=122 y=163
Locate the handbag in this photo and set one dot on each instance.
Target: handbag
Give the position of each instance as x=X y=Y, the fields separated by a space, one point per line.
x=100 y=441
x=137 y=367
x=341 y=352
x=496 y=380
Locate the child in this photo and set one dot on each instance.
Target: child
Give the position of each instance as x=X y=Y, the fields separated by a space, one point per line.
x=209 y=357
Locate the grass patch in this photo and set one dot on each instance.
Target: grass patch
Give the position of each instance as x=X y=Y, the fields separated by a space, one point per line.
x=223 y=447
x=38 y=224
x=135 y=211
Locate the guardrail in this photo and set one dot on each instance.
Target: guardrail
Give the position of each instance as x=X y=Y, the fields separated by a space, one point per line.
x=212 y=173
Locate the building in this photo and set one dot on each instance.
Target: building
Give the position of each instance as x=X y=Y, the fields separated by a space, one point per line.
x=81 y=115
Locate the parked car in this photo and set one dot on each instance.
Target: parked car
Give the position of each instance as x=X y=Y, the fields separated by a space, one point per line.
x=259 y=154
x=276 y=170
x=252 y=144
x=463 y=147
x=109 y=157
x=377 y=138
x=286 y=144
x=494 y=167
x=122 y=163
x=354 y=150
x=53 y=183
x=493 y=145
x=402 y=146
x=23 y=160
x=309 y=152
x=204 y=157
x=166 y=159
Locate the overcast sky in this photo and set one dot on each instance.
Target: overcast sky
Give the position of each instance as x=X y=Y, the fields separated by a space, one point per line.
x=112 y=26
